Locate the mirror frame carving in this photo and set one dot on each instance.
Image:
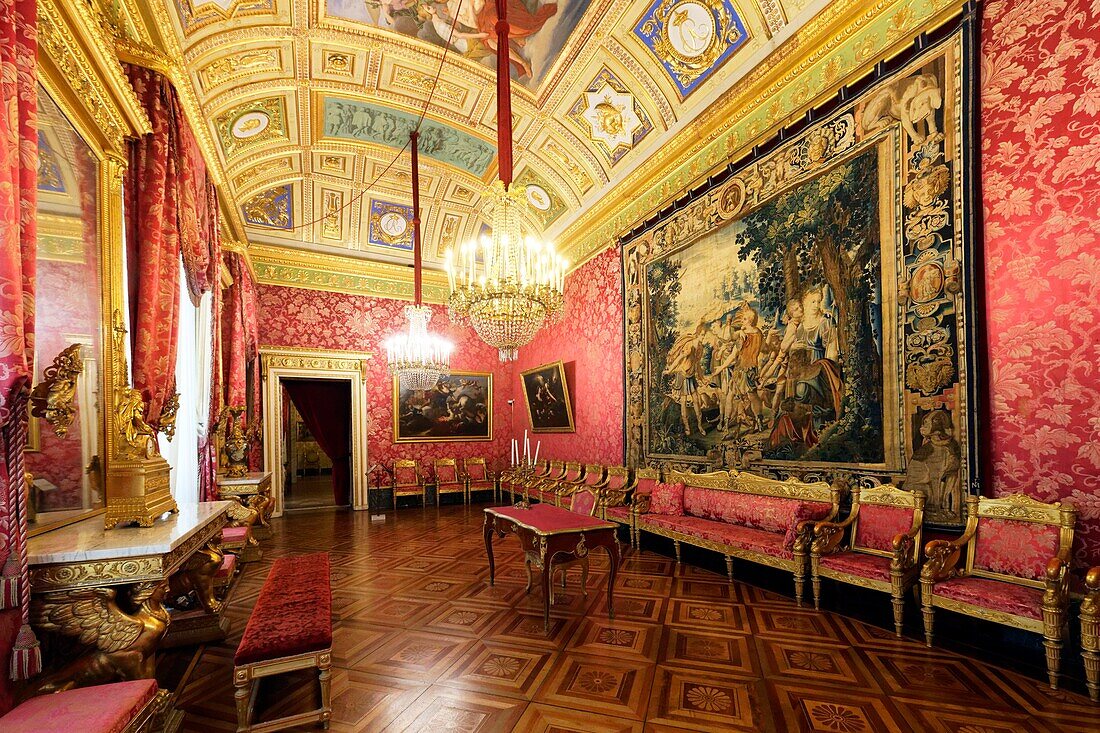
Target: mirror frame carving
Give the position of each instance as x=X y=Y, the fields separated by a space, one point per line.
x=79 y=68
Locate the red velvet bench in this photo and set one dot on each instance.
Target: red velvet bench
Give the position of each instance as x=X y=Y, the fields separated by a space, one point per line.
x=289 y=629
x=120 y=707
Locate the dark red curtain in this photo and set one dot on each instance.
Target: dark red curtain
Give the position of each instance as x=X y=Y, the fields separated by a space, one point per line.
x=325 y=407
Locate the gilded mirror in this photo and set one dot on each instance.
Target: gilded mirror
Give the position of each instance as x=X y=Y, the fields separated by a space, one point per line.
x=64 y=468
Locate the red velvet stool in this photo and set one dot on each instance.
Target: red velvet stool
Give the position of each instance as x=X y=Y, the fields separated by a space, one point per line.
x=121 y=707
x=240 y=542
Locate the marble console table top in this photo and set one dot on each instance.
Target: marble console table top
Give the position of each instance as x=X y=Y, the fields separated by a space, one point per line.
x=89 y=541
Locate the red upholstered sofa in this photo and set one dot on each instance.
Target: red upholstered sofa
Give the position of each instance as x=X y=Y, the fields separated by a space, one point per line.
x=739 y=515
x=121 y=707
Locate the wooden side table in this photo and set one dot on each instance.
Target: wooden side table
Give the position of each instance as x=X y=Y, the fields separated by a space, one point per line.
x=253 y=491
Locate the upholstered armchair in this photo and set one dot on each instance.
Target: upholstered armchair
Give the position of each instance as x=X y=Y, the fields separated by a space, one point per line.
x=514 y=480
x=407 y=480
x=593 y=478
x=447 y=479
x=644 y=481
x=614 y=495
x=1090 y=631
x=478 y=477
x=549 y=490
x=877 y=546
x=1015 y=571
x=533 y=486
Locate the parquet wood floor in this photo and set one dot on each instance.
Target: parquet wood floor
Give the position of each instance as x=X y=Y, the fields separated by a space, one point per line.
x=423 y=643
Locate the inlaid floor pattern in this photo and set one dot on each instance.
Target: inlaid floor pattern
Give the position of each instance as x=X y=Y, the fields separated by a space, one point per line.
x=422 y=642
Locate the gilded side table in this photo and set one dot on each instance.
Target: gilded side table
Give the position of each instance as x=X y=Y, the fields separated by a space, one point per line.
x=251 y=491
x=111 y=591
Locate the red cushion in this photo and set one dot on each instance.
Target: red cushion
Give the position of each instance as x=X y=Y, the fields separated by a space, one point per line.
x=476 y=471
x=97 y=709
x=877 y=526
x=293 y=614
x=618 y=513
x=234 y=534
x=571 y=475
x=875 y=567
x=446 y=474
x=681 y=523
x=1006 y=597
x=645 y=486
x=1013 y=547
x=405 y=476
x=667 y=499
x=748 y=538
x=616 y=482
x=229 y=564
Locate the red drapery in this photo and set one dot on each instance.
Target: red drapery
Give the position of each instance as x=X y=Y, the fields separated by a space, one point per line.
x=18 y=201
x=240 y=338
x=325 y=407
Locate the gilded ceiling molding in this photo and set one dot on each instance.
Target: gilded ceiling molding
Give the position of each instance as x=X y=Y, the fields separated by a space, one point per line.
x=752 y=111
x=639 y=73
x=340 y=274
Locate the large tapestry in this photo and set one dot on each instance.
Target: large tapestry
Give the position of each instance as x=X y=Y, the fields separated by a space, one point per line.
x=810 y=312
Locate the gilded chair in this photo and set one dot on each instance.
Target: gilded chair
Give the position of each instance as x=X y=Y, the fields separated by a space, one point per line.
x=1016 y=570
x=1090 y=631
x=478 y=478
x=547 y=491
x=514 y=480
x=532 y=486
x=583 y=500
x=407 y=480
x=593 y=478
x=448 y=480
x=877 y=546
x=645 y=479
x=615 y=495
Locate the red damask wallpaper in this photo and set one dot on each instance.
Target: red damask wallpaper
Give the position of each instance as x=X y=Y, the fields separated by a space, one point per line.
x=307 y=318
x=589 y=340
x=1041 y=182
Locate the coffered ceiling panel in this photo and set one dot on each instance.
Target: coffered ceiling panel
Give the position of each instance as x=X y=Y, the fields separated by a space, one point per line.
x=308 y=103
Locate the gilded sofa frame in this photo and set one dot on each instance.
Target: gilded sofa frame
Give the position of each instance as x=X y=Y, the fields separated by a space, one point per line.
x=944 y=562
x=747 y=483
x=1090 y=631
x=613 y=497
x=829 y=538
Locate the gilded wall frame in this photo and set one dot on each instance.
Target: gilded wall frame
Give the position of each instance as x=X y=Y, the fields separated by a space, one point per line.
x=458 y=410
x=918 y=113
x=549 y=380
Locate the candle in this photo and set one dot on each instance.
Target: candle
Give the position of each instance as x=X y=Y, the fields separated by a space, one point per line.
x=526 y=448
x=537 y=446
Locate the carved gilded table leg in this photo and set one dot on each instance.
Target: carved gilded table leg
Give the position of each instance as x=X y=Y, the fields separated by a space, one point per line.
x=197 y=576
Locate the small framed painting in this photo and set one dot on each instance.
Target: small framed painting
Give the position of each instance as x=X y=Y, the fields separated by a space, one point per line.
x=547 y=395
x=458 y=408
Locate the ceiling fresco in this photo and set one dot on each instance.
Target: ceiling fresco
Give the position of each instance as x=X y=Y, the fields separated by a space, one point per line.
x=305 y=106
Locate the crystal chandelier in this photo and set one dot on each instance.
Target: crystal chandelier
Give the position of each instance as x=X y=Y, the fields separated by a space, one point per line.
x=417 y=358
x=506 y=286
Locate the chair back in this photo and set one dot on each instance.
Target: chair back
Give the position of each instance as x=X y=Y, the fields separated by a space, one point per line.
x=476 y=469
x=446 y=470
x=573 y=471
x=1014 y=537
x=645 y=479
x=617 y=478
x=555 y=471
x=593 y=474
x=406 y=472
x=584 y=500
x=882 y=513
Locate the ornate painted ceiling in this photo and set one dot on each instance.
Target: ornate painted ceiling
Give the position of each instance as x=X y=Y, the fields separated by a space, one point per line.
x=304 y=106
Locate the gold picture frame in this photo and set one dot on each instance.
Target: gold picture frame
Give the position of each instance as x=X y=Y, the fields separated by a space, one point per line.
x=548 y=416
x=458 y=409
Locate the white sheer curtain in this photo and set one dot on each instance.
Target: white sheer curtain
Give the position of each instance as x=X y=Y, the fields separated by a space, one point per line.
x=193 y=365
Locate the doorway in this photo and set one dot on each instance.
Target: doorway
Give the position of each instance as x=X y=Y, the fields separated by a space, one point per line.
x=347 y=369
x=317 y=443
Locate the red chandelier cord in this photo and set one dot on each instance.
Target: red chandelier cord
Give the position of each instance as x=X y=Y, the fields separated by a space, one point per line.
x=413 y=139
x=504 y=96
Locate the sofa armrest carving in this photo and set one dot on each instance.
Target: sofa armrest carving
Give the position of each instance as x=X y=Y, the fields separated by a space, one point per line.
x=641 y=504
x=827 y=536
x=943 y=560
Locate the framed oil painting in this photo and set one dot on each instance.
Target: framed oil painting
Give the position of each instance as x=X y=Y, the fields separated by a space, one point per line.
x=459 y=408
x=811 y=312
x=546 y=392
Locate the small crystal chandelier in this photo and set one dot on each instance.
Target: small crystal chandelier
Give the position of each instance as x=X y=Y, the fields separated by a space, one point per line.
x=506 y=286
x=417 y=358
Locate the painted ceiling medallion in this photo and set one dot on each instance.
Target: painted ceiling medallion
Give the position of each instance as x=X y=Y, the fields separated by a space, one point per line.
x=537 y=197
x=390 y=225
x=610 y=116
x=691 y=38
x=250 y=124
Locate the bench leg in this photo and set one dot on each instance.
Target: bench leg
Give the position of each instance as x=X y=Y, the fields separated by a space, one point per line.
x=676 y=546
x=325 y=679
x=242 y=694
x=729 y=567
